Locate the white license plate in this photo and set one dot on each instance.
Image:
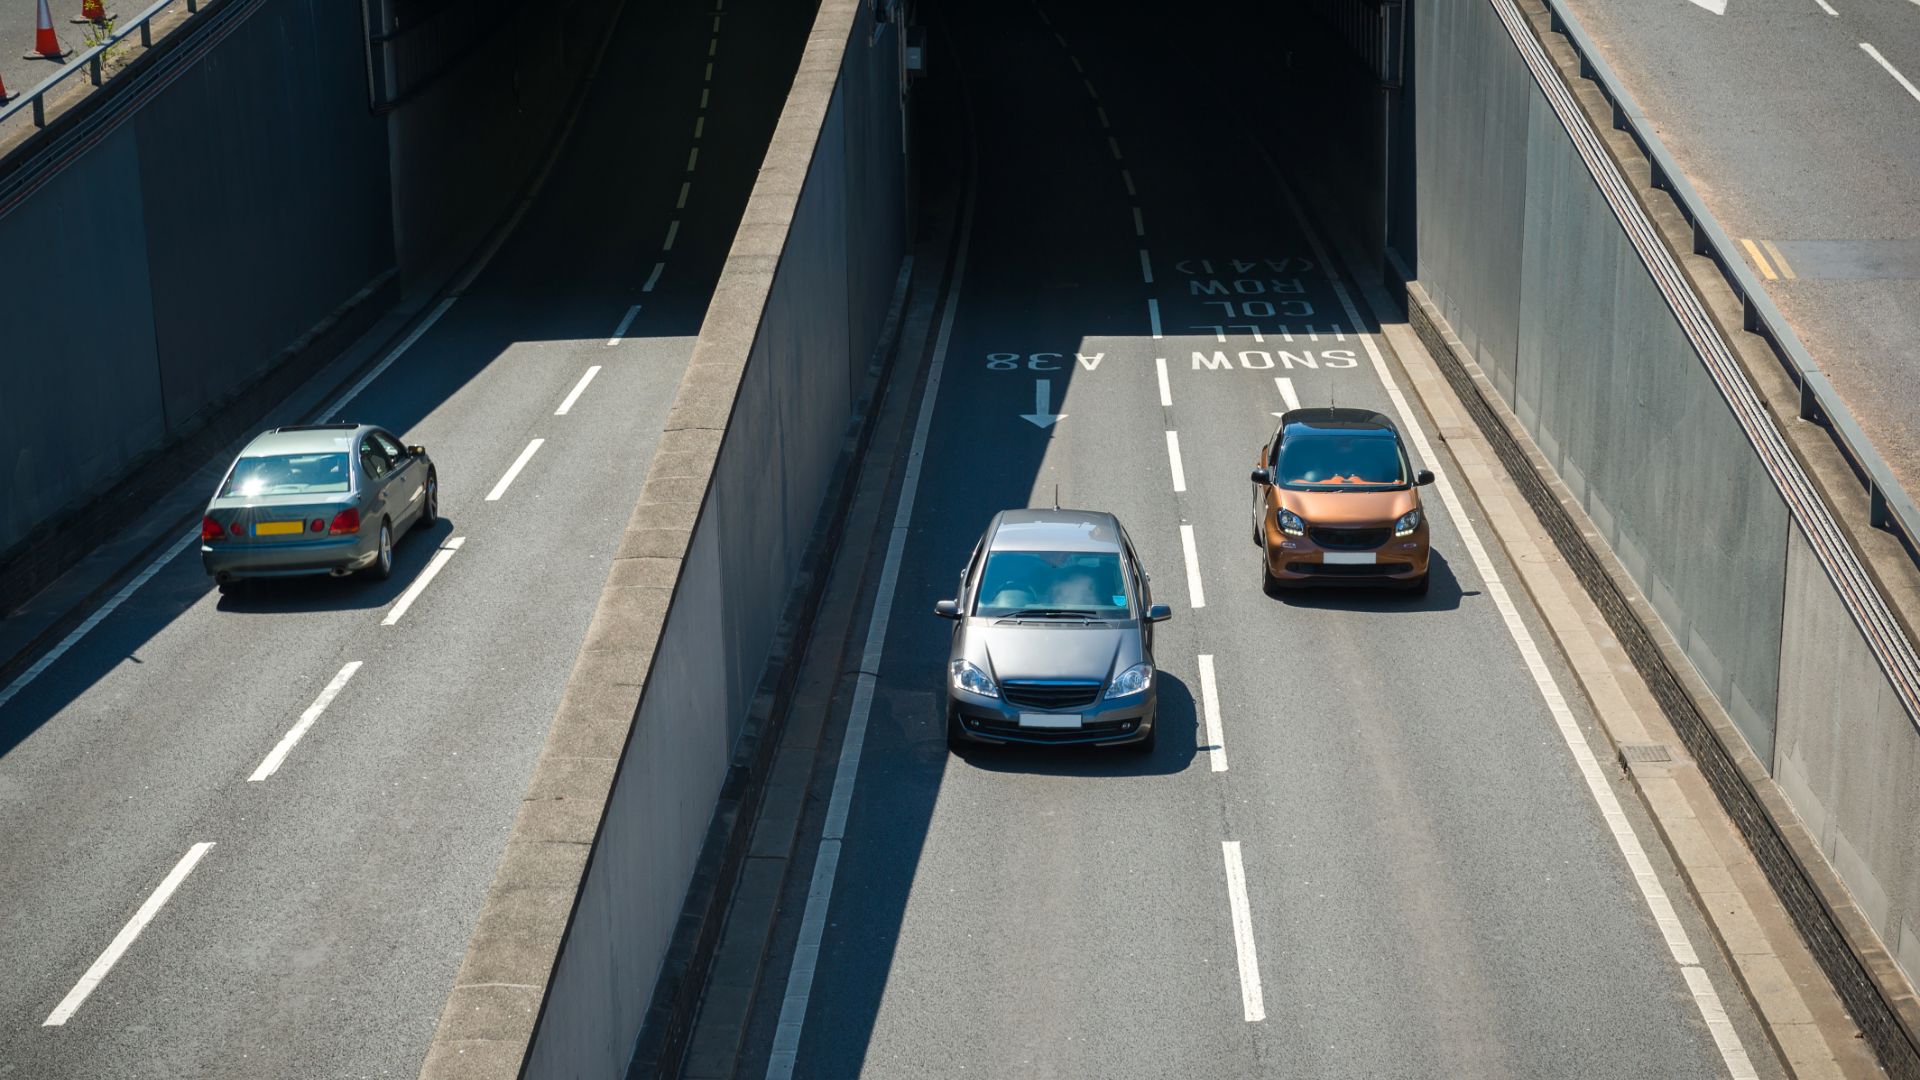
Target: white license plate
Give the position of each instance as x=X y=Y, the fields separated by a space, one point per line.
x=1348 y=558
x=1052 y=721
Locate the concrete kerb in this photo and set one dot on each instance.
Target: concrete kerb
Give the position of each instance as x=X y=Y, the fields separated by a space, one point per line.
x=1835 y=930
x=500 y=993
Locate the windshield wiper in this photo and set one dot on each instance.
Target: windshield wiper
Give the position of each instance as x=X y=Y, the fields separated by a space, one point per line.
x=1049 y=613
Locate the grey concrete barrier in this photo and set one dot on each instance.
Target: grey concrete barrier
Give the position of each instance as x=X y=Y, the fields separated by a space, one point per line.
x=1543 y=274
x=585 y=902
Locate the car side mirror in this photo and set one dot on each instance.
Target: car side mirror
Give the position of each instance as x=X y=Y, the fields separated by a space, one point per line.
x=417 y=451
x=1423 y=478
x=947 y=609
x=1159 y=613
x=1262 y=476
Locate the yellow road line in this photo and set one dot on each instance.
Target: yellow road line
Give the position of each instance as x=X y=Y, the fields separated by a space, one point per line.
x=1779 y=260
x=1759 y=260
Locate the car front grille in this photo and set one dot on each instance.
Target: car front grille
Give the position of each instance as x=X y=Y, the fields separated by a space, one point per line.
x=1050 y=695
x=1348 y=539
x=998 y=728
x=1349 y=569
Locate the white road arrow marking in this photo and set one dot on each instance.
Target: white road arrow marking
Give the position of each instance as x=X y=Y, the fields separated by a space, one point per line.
x=1042 y=415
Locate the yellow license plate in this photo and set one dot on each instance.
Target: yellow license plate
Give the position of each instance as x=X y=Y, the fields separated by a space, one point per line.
x=278 y=528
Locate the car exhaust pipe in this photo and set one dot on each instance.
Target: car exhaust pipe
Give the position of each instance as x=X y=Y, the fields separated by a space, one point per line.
x=339 y=571
x=222 y=578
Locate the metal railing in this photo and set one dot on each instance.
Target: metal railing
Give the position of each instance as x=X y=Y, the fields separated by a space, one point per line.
x=1889 y=506
x=92 y=61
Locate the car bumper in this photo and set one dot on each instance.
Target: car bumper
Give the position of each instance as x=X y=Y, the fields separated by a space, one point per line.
x=1295 y=560
x=290 y=558
x=1104 y=723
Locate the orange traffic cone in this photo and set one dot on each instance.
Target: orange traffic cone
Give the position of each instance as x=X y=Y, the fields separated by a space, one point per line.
x=45 y=45
x=93 y=11
x=4 y=96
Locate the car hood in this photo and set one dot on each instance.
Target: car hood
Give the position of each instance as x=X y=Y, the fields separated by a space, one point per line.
x=1349 y=507
x=1061 y=650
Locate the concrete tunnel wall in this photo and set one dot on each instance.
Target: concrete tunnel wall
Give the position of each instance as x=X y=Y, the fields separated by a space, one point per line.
x=1520 y=252
x=213 y=212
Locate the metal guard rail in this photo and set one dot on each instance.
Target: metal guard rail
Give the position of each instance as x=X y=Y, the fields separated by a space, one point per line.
x=1890 y=507
x=91 y=61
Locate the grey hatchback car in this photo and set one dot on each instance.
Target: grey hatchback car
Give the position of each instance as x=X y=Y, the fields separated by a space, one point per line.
x=317 y=499
x=1054 y=635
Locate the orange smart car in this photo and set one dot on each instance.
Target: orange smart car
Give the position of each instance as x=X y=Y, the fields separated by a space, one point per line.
x=1335 y=500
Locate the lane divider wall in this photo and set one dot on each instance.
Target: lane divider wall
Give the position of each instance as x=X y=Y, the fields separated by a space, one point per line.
x=585 y=904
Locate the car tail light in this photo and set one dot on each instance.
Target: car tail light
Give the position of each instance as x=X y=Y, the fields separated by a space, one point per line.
x=210 y=530
x=317 y=525
x=346 y=521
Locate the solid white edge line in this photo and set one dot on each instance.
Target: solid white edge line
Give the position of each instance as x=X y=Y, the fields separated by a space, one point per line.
x=626 y=323
x=578 y=388
x=1251 y=1001
x=98 y=972
x=513 y=470
x=1732 y=1053
x=1197 y=595
x=1286 y=392
x=1891 y=70
x=73 y=637
x=271 y=763
x=406 y=343
x=419 y=585
x=1166 y=389
x=1210 y=705
x=1146 y=266
x=1153 y=314
x=813 y=920
x=1828 y=8
x=1173 y=461
x=653 y=278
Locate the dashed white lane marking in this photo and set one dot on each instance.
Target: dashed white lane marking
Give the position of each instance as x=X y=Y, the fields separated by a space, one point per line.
x=1286 y=392
x=1102 y=113
x=419 y=585
x=704 y=91
x=1828 y=8
x=1127 y=175
x=1166 y=389
x=1891 y=70
x=619 y=335
x=386 y=362
x=699 y=126
x=1153 y=316
x=713 y=46
x=1139 y=223
x=1063 y=41
x=813 y=920
x=73 y=637
x=716 y=24
x=1705 y=998
x=1076 y=64
x=1113 y=144
x=513 y=470
x=686 y=188
x=1197 y=595
x=1251 y=1001
x=580 y=387
x=653 y=278
x=1173 y=461
x=1091 y=92
x=115 y=949
x=693 y=158
x=1210 y=707
x=271 y=763
x=1146 y=266
x=673 y=233
x=709 y=75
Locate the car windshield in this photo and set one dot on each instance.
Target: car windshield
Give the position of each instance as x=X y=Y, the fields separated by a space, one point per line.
x=1330 y=461
x=1052 y=584
x=287 y=474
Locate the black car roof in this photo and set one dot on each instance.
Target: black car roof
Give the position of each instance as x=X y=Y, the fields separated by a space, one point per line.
x=1054 y=530
x=1346 y=421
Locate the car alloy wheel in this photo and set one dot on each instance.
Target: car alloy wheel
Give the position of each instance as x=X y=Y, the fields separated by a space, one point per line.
x=431 y=514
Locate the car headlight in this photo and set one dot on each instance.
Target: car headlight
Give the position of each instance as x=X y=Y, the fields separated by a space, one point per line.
x=971 y=679
x=1134 y=680
x=1290 y=522
x=1408 y=522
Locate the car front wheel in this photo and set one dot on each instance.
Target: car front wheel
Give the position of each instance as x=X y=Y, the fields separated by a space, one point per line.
x=430 y=513
x=1145 y=746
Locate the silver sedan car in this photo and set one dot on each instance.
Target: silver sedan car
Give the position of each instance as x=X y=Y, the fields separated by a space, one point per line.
x=317 y=499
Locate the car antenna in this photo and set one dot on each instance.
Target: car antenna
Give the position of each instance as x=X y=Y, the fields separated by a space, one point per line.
x=1056 y=496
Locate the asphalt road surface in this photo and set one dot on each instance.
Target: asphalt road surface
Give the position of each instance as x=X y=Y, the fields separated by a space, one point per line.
x=1364 y=846
x=318 y=934
x=1799 y=124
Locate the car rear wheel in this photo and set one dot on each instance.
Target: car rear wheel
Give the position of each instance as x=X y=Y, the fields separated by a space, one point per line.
x=430 y=513
x=382 y=567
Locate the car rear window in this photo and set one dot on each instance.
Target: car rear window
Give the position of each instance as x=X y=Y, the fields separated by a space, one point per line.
x=1322 y=462
x=287 y=474
x=1038 y=582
